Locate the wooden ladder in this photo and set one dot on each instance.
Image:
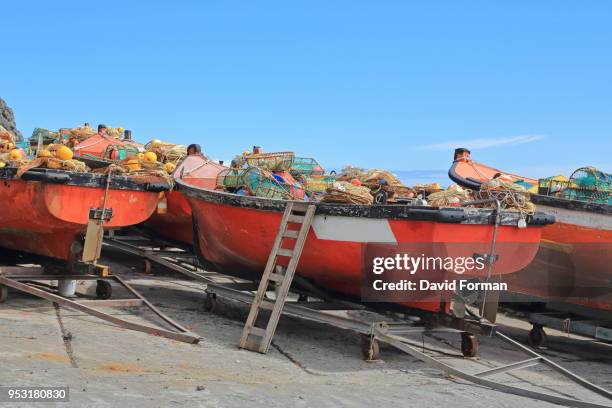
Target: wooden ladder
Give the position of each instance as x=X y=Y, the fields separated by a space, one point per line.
x=256 y=338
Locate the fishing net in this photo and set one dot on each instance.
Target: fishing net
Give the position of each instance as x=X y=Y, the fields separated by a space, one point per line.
x=280 y=161
x=83 y=132
x=50 y=163
x=511 y=196
x=317 y=184
x=375 y=177
x=453 y=196
x=144 y=173
x=167 y=152
x=428 y=188
x=347 y=193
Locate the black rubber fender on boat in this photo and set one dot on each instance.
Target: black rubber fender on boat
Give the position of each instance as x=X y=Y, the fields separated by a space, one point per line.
x=156 y=187
x=541 y=218
x=47 y=176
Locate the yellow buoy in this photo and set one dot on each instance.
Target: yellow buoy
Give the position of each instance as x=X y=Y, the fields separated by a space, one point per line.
x=44 y=153
x=170 y=167
x=140 y=156
x=64 y=153
x=2 y=164
x=16 y=154
x=133 y=165
x=155 y=143
x=150 y=157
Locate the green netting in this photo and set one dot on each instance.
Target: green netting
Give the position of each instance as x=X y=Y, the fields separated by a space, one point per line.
x=280 y=161
x=586 y=184
x=261 y=183
x=306 y=166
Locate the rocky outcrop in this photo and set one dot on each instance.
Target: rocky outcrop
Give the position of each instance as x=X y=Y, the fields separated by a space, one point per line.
x=7 y=119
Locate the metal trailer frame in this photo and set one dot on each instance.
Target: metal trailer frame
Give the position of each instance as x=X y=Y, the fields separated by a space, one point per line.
x=27 y=280
x=371 y=333
x=391 y=333
x=598 y=329
x=570 y=318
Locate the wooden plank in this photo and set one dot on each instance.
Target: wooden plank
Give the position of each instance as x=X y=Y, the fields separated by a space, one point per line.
x=257 y=331
x=277 y=277
x=285 y=252
x=296 y=219
x=291 y=234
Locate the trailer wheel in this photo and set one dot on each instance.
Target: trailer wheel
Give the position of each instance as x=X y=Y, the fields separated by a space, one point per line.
x=3 y=293
x=537 y=336
x=104 y=290
x=146 y=266
x=370 y=348
x=469 y=345
x=210 y=302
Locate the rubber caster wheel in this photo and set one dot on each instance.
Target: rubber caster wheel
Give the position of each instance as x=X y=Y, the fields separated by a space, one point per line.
x=210 y=302
x=370 y=348
x=469 y=345
x=104 y=290
x=146 y=266
x=537 y=336
x=3 y=293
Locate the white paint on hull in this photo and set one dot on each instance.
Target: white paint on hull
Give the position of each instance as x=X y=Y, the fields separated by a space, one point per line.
x=352 y=229
x=577 y=217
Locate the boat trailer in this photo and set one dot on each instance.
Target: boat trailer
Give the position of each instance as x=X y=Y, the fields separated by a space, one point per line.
x=333 y=312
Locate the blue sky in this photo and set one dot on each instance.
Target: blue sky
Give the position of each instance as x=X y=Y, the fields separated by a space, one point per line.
x=389 y=84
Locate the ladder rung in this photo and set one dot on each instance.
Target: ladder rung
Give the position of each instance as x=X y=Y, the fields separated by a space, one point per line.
x=296 y=219
x=291 y=234
x=266 y=305
x=285 y=252
x=276 y=277
x=257 y=331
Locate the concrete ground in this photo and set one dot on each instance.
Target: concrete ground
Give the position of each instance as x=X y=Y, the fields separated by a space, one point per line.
x=309 y=364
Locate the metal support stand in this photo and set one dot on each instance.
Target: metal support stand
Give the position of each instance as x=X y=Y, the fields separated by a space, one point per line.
x=24 y=279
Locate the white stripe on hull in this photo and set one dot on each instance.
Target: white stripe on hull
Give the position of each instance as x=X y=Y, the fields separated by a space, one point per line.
x=352 y=229
x=578 y=217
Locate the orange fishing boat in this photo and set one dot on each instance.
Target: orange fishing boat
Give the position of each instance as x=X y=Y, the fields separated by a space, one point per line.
x=234 y=234
x=573 y=262
x=45 y=211
x=176 y=223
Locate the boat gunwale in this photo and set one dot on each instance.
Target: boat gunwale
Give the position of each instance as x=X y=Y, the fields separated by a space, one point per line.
x=556 y=202
x=455 y=215
x=81 y=179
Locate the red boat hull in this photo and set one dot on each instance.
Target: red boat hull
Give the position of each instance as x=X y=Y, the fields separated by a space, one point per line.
x=238 y=240
x=47 y=219
x=177 y=223
x=573 y=262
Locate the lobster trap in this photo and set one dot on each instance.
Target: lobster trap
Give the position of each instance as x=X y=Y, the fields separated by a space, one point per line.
x=279 y=161
x=585 y=184
x=306 y=166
